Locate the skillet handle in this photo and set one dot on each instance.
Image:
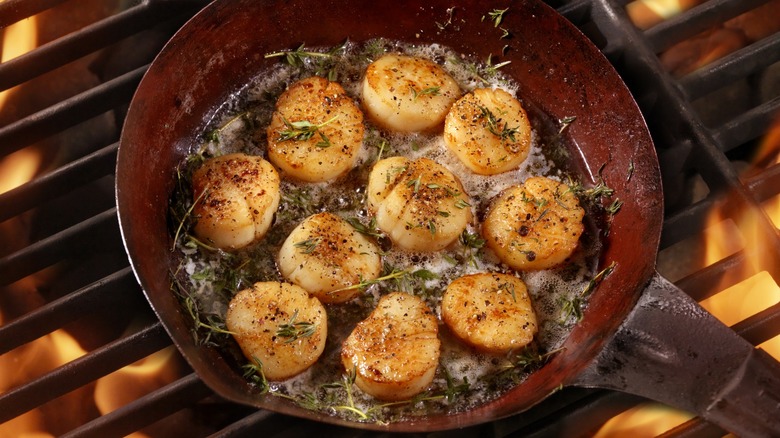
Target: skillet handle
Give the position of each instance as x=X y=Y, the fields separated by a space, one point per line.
x=672 y=350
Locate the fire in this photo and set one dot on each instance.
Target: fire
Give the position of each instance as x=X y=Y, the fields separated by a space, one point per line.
x=759 y=290
x=34 y=359
x=18 y=39
x=19 y=167
x=28 y=362
x=133 y=381
x=645 y=420
x=723 y=236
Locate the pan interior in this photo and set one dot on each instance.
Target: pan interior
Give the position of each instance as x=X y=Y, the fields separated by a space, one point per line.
x=561 y=75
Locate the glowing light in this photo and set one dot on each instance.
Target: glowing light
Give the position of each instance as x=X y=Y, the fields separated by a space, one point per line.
x=759 y=290
x=133 y=381
x=18 y=39
x=18 y=168
x=645 y=420
x=28 y=362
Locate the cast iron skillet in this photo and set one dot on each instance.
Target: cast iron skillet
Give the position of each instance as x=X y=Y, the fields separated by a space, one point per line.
x=639 y=334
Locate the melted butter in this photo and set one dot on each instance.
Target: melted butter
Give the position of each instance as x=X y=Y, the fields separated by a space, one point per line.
x=241 y=123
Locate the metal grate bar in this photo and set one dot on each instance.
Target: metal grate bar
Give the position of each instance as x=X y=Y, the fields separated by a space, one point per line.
x=69 y=112
x=251 y=425
x=12 y=11
x=60 y=246
x=695 y=428
x=58 y=182
x=760 y=327
x=82 y=371
x=766 y=184
x=89 y=39
x=116 y=288
x=705 y=282
x=702 y=17
x=749 y=125
x=679 y=226
x=145 y=410
x=728 y=69
x=586 y=416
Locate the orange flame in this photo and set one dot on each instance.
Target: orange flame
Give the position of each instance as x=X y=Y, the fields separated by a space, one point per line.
x=19 y=167
x=28 y=362
x=18 y=39
x=723 y=237
x=133 y=381
x=759 y=290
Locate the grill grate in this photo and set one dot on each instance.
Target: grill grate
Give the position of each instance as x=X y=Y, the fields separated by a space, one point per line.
x=76 y=265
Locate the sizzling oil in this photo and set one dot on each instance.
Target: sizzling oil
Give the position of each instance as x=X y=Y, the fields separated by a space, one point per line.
x=464 y=378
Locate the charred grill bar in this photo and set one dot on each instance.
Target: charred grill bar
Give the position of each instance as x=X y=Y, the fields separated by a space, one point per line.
x=64 y=266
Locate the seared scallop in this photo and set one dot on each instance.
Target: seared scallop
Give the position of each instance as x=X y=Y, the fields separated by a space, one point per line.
x=406 y=93
x=236 y=196
x=280 y=325
x=490 y=311
x=395 y=351
x=536 y=225
x=316 y=131
x=420 y=204
x=327 y=257
x=489 y=131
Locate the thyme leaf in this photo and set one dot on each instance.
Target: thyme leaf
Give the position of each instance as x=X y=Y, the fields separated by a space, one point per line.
x=363 y=284
x=496 y=15
x=295 y=330
x=371 y=229
x=324 y=143
x=503 y=132
x=530 y=357
x=302 y=130
x=574 y=306
x=297 y=57
x=431 y=91
x=454 y=390
x=471 y=240
x=450 y=13
x=253 y=372
x=565 y=122
x=308 y=246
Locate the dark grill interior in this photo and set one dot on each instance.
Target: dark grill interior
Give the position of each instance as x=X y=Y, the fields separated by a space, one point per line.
x=62 y=264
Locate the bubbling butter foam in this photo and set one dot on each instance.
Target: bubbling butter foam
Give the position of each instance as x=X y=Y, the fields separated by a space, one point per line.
x=211 y=277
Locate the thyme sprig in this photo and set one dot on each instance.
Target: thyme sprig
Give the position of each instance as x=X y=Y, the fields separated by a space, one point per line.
x=188 y=212
x=348 y=380
x=574 y=306
x=530 y=357
x=493 y=125
x=214 y=134
x=294 y=330
x=491 y=69
x=308 y=246
x=454 y=390
x=253 y=372
x=565 y=122
x=303 y=130
x=450 y=13
x=496 y=16
x=297 y=57
x=430 y=91
x=371 y=230
x=483 y=73
x=472 y=243
x=364 y=284
x=206 y=326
